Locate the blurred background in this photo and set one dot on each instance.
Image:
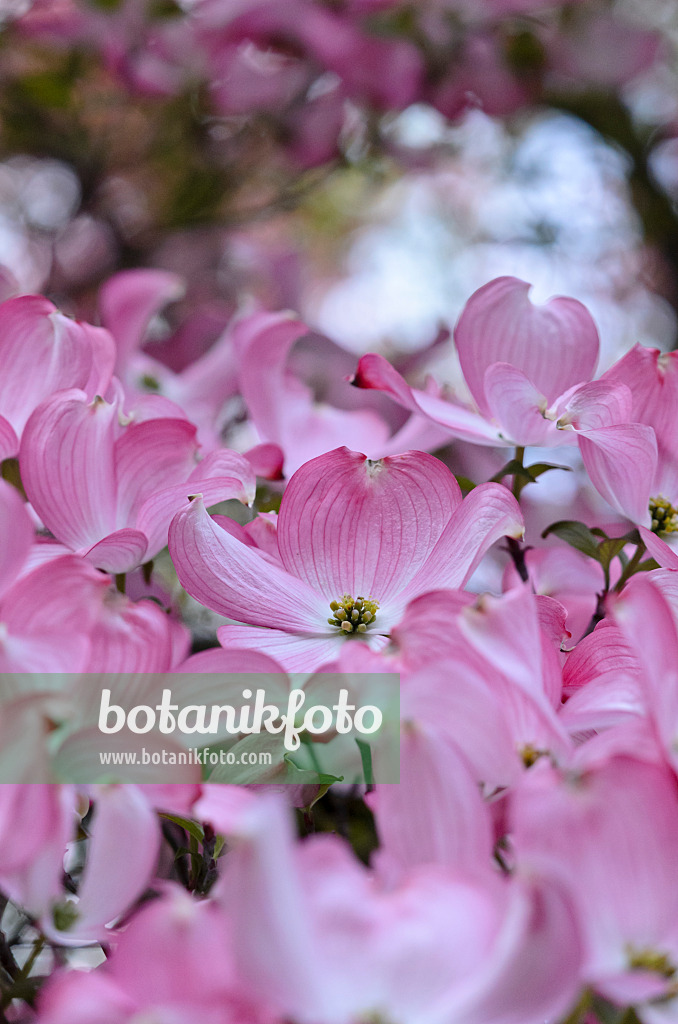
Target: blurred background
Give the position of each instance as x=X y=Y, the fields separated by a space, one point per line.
x=367 y=163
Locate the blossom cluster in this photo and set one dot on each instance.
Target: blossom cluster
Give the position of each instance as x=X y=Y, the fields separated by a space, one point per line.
x=523 y=869
x=304 y=65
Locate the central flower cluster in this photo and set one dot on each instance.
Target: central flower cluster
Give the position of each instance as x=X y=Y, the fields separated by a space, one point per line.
x=664 y=515
x=353 y=615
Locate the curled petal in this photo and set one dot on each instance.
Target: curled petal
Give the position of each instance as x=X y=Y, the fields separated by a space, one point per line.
x=221 y=476
x=234 y=580
x=67 y=467
x=621 y=461
x=267 y=461
x=129 y=300
x=597 y=404
x=43 y=351
x=555 y=345
x=375 y=372
x=120 y=862
x=121 y=551
x=489 y=512
x=517 y=406
x=149 y=457
x=658 y=549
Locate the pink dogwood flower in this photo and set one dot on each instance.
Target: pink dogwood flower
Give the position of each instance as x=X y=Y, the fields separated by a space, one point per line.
x=610 y=831
x=529 y=371
x=107 y=485
x=648 y=490
x=190 y=972
x=43 y=351
x=319 y=939
x=357 y=540
x=283 y=409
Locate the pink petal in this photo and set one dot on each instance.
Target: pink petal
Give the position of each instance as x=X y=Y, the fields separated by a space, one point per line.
x=597 y=404
x=423 y=634
x=375 y=372
x=646 y=620
x=280 y=405
x=234 y=580
x=267 y=461
x=435 y=815
x=221 y=476
x=612 y=836
x=555 y=345
x=191 y=971
x=65 y=593
x=506 y=631
x=263 y=342
x=75 y=997
x=121 y=551
x=67 y=467
x=9 y=442
x=120 y=861
x=102 y=348
x=621 y=461
x=149 y=457
x=534 y=973
x=218 y=660
x=472 y=713
x=489 y=512
x=517 y=405
x=348 y=525
x=277 y=952
x=226 y=463
x=130 y=299
x=552 y=618
x=658 y=549
x=130 y=637
x=604 y=652
x=33 y=333
x=16 y=535
x=652 y=378
x=295 y=652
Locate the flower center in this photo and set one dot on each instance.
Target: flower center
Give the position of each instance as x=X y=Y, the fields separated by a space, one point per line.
x=664 y=515
x=650 y=960
x=353 y=615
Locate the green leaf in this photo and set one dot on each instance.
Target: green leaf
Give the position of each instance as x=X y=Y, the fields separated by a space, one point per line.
x=530 y=474
x=577 y=535
x=164 y=9
x=322 y=789
x=366 y=758
x=539 y=468
x=47 y=88
x=648 y=565
x=465 y=484
x=306 y=776
x=609 y=549
x=192 y=827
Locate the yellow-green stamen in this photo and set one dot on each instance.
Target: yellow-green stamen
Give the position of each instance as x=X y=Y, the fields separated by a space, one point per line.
x=650 y=960
x=664 y=515
x=353 y=615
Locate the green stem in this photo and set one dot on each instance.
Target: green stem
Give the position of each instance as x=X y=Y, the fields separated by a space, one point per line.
x=631 y=567
x=518 y=481
x=581 y=1008
x=120 y=582
x=38 y=946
